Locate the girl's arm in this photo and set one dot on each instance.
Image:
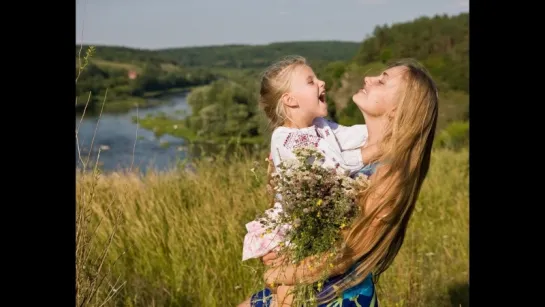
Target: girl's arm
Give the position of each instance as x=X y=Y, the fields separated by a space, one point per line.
x=283 y=142
x=348 y=137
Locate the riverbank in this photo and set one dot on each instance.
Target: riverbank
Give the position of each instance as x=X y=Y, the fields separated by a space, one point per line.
x=162 y=124
x=124 y=143
x=125 y=104
x=177 y=236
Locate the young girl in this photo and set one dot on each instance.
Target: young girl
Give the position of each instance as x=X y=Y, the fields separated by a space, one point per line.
x=293 y=99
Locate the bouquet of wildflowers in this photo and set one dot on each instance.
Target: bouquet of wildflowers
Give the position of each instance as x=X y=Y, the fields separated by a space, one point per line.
x=318 y=202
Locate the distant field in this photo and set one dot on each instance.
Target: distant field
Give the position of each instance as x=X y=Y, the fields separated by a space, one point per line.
x=111 y=64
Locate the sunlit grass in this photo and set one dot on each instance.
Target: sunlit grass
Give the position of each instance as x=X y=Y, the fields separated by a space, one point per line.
x=179 y=239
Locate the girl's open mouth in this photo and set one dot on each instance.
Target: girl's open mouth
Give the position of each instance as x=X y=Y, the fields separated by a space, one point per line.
x=321 y=98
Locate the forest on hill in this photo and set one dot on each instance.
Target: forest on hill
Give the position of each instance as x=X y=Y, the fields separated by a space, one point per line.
x=165 y=70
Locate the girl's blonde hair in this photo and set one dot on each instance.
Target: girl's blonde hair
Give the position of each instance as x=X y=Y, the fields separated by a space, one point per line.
x=405 y=153
x=275 y=81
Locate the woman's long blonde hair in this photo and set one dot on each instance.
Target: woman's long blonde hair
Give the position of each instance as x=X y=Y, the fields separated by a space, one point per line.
x=405 y=151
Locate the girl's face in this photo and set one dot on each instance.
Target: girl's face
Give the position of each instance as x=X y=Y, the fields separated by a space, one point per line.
x=307 y=94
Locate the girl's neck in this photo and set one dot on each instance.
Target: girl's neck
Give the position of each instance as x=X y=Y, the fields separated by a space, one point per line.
x=298 y=123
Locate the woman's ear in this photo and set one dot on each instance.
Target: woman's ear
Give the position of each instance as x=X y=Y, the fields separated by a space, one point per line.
x=289 y=100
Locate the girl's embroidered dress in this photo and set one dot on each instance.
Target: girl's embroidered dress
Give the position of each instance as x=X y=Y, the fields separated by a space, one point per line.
x=341 y=148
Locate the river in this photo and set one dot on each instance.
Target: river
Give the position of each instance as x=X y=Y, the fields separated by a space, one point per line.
x=120 y=140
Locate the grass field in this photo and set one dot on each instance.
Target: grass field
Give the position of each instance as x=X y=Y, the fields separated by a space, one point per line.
x=174 y=238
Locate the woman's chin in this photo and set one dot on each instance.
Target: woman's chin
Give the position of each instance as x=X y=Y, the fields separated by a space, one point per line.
x=357 y=100
x=357 y=96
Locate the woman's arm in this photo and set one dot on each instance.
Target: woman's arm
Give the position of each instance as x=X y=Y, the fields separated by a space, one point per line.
x=309 y=270
x=312 y=269
x=284 y=296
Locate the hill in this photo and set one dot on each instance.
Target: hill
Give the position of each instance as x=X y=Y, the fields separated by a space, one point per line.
x=228 y=56
x=175 y=69
x=257 y=56
x=440 y=42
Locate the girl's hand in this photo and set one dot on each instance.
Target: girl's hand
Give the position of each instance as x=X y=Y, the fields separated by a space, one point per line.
x=271 y=278
x=268 y=258
x=272 y=259
x=279 y=275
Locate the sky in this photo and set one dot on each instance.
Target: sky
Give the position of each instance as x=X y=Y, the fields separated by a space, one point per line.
x=156 y=24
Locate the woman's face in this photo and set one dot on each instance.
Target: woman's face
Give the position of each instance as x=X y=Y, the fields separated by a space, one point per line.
x=378 y=94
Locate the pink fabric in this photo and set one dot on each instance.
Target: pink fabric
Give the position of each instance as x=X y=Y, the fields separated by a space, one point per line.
x=257 y=242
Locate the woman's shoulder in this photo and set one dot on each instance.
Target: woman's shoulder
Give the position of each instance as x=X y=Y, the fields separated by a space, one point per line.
x=368 y=169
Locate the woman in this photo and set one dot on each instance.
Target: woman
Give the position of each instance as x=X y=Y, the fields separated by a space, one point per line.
x=400 y=107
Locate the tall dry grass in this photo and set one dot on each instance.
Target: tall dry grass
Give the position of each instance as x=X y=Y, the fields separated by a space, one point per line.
x=94 y=282
x=178 y=235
